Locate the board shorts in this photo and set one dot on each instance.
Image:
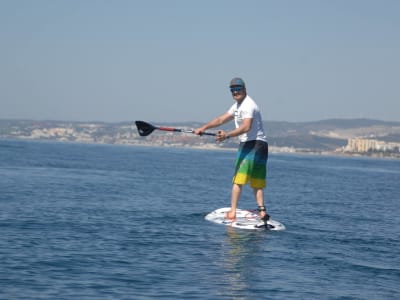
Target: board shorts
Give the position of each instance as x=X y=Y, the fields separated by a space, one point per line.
x=251 y=164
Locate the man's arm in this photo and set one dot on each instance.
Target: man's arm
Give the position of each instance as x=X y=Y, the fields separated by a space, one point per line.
x=243 y=128
x=218 y=121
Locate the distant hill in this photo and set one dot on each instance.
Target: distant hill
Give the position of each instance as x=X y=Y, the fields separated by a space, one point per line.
x=330 y=134
x=329 y=124
x=324 y=135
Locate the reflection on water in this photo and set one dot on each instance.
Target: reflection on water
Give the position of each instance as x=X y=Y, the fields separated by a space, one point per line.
x=240 y=259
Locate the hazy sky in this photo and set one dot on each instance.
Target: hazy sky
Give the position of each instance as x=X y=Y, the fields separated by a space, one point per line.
x=172 y=60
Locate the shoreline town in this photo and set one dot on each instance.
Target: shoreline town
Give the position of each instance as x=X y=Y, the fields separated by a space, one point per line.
x=348 y=142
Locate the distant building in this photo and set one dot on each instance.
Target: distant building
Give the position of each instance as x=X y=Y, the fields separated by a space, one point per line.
x=359 y=145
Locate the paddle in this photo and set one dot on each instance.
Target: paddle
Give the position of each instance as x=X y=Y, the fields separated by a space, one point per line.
x=145 y=129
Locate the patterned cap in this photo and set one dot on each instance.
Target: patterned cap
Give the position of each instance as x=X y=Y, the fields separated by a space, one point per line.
x=237 y=82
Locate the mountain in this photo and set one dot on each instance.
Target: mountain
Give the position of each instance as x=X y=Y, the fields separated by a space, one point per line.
x=323 y=135
x=330 y=134
x=317 y=136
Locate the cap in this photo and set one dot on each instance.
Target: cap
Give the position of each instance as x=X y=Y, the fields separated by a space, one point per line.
x=237 y=81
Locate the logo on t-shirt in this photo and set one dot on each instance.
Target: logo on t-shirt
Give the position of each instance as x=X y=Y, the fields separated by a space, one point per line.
x=238 y=115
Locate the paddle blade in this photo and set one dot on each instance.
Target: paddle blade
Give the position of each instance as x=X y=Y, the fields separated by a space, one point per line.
x=144 y=128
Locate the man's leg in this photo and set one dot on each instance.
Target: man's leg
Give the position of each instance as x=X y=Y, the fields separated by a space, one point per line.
x=259 y=195
x=235 y=196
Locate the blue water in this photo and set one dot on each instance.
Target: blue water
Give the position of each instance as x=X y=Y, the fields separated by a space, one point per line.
x=116 y=222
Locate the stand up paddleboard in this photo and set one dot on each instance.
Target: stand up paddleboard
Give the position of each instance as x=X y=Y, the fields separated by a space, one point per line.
x=245 y=219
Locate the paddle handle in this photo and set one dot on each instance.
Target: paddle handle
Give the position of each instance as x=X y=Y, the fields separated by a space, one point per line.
x=206 y=133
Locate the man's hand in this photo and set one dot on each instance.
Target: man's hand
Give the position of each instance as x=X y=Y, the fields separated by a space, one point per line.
x=221 y=136
x=198 y=131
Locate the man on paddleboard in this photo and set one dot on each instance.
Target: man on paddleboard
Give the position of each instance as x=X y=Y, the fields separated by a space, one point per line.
x=252 y=155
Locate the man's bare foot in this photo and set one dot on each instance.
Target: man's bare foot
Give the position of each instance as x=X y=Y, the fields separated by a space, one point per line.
x=230 y=215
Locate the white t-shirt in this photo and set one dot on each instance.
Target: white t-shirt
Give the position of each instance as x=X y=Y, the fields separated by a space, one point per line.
x=248 y=109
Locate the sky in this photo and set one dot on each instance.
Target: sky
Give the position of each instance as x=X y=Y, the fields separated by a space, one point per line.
x=171 y=61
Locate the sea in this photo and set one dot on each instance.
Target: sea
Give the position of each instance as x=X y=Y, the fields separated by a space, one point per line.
x=91 y=221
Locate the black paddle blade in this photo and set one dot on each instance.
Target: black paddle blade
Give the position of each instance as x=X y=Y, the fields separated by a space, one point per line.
x=144 y=128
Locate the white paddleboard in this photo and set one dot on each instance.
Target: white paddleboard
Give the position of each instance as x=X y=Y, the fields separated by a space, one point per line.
x=245 y=219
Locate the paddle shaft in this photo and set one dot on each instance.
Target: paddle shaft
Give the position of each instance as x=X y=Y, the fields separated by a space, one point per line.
x=182 y=130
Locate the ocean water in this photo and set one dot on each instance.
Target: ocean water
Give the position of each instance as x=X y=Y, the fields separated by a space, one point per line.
x=84 y=221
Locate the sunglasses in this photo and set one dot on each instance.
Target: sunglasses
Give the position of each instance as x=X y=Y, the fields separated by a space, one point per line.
x=236 y=89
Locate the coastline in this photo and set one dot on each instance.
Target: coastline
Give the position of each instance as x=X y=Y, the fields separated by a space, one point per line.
x=348 y=138
x=211 y=147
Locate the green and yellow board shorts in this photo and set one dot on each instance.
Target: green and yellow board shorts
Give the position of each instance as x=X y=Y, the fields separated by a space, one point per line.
x=251 y=164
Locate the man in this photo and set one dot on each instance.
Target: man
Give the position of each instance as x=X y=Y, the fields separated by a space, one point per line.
x=252 y=155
